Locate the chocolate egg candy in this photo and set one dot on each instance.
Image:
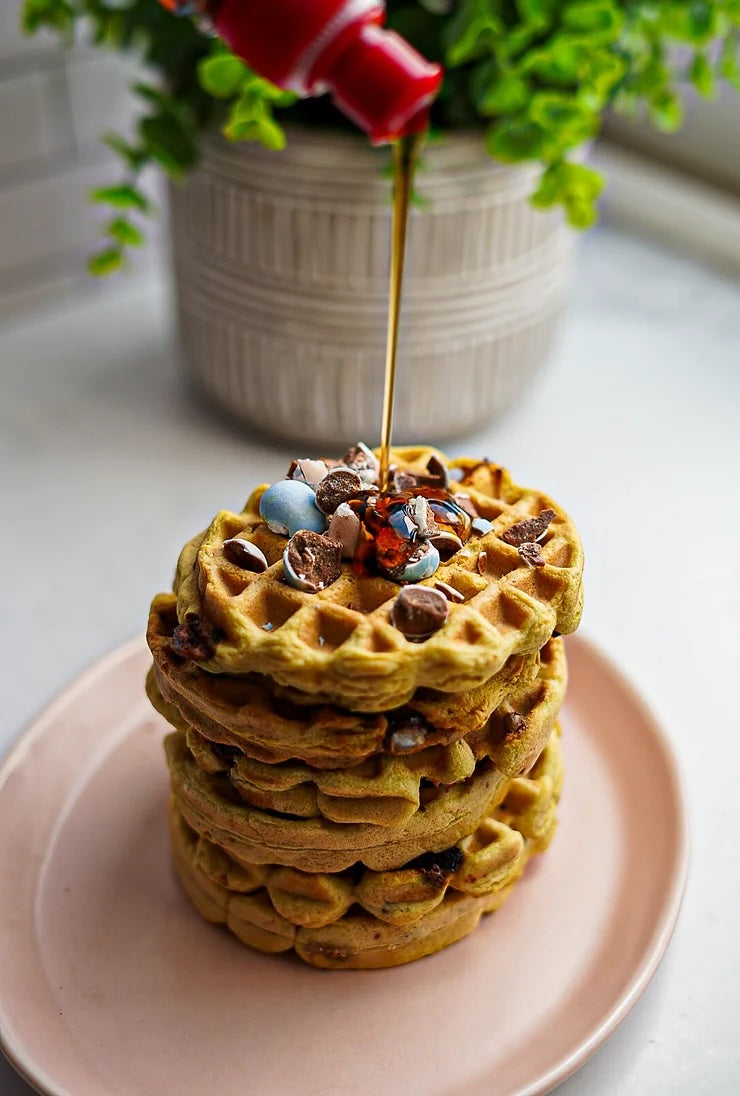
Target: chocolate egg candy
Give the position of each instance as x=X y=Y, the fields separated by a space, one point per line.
x=345 y=527
x=242 y=553
x=311 y=562
x=422 y=564
x=418 y=611
x=290 y=505
x=309 y=471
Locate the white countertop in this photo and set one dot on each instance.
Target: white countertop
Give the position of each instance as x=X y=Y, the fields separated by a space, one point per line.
x=108 y=467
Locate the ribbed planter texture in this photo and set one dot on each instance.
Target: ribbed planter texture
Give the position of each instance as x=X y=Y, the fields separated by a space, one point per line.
x=281 y=264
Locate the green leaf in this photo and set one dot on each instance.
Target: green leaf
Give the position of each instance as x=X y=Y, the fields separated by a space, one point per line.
x=122 y=196
x=105 y=262
x=539 y=13
x=559 y=61
x=168 y=143
x=474 y=29
x=494 y=92
x=701 y=75
x=56 y=15
x=222 y=75
x=729 y=62
x=581 y=212
x=666 y=111
x=567 y=119
x=516 y=139
x=134 y=158
x=125 y=233
x=598 y=21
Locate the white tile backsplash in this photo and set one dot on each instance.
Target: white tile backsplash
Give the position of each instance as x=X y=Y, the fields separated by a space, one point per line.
x=99 y=96
x=54 y=105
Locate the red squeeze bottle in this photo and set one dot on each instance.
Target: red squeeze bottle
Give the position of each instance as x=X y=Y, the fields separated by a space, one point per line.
x=313 y=46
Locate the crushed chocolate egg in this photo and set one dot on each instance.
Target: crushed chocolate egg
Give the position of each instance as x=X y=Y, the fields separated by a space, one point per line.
x=407 y=730
x=309 y=471
x=438 y=471
x=446 y=544
x=531 y=553
x=345 y=527
x=311 y=562
x=421 y=515
x=337 y=487
x=419 y=611
x=450 y=592
x=439 y=866
x=481 y=526
x=195 y=639
x=421 y=563
x=361 y=459
x=244 y=554
x=514 y=724
x=531 y=529
x=466 y=503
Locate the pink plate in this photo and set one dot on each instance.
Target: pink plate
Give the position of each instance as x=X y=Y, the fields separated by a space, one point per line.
x=110 y=983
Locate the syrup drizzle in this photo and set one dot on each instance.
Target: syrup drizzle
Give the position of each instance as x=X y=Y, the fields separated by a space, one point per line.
x=405 y=155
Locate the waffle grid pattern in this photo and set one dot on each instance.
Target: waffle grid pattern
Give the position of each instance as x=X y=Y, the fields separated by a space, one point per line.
x=340 y=644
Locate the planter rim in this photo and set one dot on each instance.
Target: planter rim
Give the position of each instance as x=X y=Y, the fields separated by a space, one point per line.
x=461 y=149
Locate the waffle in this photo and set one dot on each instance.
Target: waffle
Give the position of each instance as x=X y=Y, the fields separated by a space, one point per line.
x=387 y=790
x=210 y=805
x=366 y=919
x=274 y=724
x=340 y=644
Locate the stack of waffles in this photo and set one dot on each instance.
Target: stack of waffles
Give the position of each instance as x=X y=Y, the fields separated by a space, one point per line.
x=361 y=764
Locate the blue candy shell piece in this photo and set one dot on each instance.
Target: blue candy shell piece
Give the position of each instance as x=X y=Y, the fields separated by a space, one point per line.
x=421 y=568
x=290 y=505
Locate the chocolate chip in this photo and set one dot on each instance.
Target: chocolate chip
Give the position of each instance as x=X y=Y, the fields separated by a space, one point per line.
x=531 y=553
x=450 y=592
x=514 y=724
x=418 y=611
x=407 y=730
x=311 y=561
x=530 y=529
x=439 y=866
x=244 y=554
x=195 y=639
x=482 y=562
x=338 y=487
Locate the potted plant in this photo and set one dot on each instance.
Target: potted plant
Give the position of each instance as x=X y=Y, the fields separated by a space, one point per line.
x=280 y=211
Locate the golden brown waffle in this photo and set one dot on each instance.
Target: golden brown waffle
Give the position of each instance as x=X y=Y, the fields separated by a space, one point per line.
x=270 y=724
x=212 y=807
x=366 y=919
x=387 y=790
x=340 y=645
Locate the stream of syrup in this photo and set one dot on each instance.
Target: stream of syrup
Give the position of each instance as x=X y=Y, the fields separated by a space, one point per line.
x=405 y=156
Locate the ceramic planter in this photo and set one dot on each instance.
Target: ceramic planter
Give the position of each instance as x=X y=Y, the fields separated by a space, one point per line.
x=281 y=263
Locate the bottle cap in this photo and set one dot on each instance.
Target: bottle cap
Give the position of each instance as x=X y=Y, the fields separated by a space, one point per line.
x=383 y=84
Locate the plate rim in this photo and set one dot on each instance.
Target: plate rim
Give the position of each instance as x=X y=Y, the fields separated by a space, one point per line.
x=643 y=973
